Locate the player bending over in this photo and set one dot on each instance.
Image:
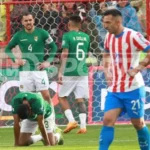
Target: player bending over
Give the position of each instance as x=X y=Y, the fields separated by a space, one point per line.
x=31 y=110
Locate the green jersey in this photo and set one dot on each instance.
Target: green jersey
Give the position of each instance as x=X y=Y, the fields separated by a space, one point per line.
x=78 y=44
x=38 y=105
x=32 y=47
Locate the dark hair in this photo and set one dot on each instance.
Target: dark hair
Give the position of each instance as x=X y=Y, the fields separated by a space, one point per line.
x=113 y=12
x=23 y=111
x=75 y=19
x=26 y=13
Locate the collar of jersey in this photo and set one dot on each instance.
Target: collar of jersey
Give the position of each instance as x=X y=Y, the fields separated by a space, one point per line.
x=119 y=35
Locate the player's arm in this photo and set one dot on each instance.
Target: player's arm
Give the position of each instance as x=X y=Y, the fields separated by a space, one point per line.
x=64 y=57
x=8 y=50
x=106 y=64
x=142 y=44
x=16 y=129
x=53 y=49
x=142 y=65
x=40 y=120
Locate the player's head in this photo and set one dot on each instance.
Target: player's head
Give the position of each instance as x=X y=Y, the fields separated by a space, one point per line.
x=23 y=111
x=74 y=22
x=112 y=21
x=123 y=3
x=28 y=21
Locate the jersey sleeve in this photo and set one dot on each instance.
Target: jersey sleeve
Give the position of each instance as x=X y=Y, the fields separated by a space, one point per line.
x=53 y=48
x=13 y=42
x=15 y=105
x=38 y=106
x=140 y=42
x=47 y=38
x=65 y=41
x=106 y=43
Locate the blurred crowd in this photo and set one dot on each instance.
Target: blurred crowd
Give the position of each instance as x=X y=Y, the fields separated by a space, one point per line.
x=53 y=17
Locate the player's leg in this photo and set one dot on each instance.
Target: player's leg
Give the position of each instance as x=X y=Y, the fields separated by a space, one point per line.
x=82 y=116
x=42 y=84
x=54 y=137
x=113 y=108
x=68 y=86
x=135 y=110
x=82 y=92
x=26 y=81
x=27 y=129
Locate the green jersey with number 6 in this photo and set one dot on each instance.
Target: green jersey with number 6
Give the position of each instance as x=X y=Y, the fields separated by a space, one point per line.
x=38 y=105
x=78 y=44
x=32 y=47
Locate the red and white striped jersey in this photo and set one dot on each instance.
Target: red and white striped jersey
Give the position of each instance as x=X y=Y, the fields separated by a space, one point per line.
x=124 y=51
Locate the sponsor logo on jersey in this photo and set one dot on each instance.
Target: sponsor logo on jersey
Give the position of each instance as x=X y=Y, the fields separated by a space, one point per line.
x=36 y=38
x=24 y=40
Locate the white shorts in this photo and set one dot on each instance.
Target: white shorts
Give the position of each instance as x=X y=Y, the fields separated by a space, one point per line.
x=28 y=126
x=76 y=84
x=33 y=81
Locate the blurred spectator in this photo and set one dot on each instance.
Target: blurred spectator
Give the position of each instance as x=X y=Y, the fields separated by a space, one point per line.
x=130 y=19
x=96 y=15
x=140 y=6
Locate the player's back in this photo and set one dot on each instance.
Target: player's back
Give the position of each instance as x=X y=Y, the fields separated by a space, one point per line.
x=36 y=101
x=78 y=45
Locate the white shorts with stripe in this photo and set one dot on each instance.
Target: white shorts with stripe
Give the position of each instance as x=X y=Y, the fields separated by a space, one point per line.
x=29 y=126
x=33 y=81
x=76 y=84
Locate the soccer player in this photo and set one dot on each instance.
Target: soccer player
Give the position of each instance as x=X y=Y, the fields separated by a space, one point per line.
x=73 y=72
x=31 y=110
x=126 y=91
x=31 y=41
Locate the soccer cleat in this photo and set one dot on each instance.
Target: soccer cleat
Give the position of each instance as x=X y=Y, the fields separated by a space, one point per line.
x=70 y=126
x=82 y=131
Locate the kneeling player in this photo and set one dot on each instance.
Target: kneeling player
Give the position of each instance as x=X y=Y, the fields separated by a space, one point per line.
x=34 y=111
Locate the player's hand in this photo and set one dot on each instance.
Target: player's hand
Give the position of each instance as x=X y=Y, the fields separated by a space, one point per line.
x=43 y=65
x=20 y=62
x=60 y=78
x=132 y=72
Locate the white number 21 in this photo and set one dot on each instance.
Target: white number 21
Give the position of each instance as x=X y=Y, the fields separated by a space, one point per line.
x=135 y=102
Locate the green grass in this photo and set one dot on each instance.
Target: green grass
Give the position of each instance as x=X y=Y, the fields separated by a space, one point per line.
x=125 y=139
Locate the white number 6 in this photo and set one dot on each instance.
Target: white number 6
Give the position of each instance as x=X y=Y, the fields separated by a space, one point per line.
x=80 y=52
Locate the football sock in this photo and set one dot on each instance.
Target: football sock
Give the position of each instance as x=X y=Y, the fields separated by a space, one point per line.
x=69 y=115
x=144 y=138
x=36 y=138
x=106 y=137
x=57 y=135
x=82 y=118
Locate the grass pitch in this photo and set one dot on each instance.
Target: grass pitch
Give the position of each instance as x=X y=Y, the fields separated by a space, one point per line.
x=125 y=139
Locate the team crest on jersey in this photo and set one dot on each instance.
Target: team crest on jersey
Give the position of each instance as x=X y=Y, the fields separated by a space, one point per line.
x=21 y=86
x=36 y=38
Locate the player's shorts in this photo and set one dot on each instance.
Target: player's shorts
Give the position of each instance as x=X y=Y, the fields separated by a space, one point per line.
x=76 y=84
x=33 y=81
x=29 y=126
x=131 y=102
